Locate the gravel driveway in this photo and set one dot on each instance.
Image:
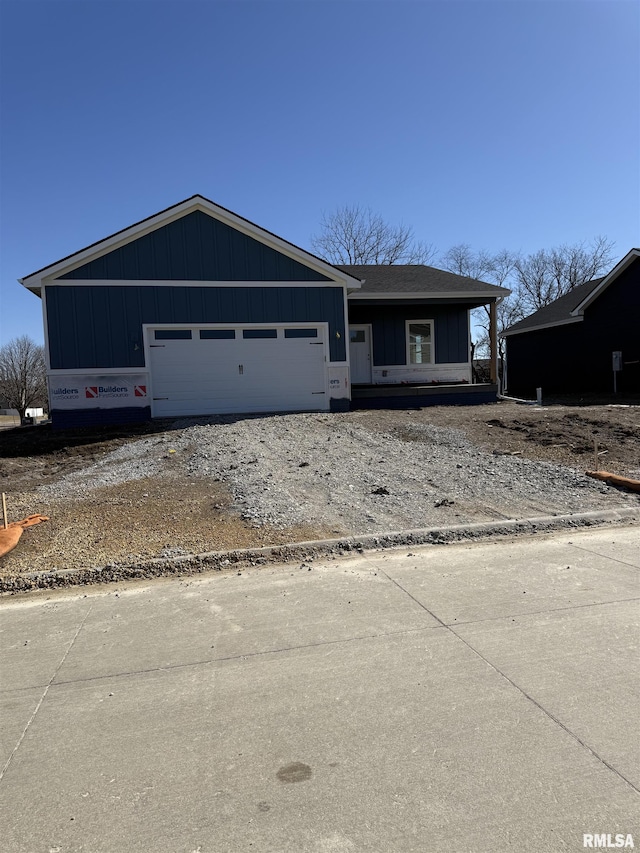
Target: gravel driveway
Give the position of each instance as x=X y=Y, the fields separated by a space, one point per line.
x=330 y=468
x=334 y=471
x=212 y=484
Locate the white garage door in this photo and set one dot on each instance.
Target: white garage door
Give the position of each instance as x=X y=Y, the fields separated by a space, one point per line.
x=202 y=371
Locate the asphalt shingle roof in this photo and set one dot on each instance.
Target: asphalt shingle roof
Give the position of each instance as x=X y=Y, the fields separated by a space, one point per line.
x=416 y=278
x=557 y=311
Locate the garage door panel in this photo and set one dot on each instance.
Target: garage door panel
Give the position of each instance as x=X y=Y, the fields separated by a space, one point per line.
x=251 y=372
x=183 y=369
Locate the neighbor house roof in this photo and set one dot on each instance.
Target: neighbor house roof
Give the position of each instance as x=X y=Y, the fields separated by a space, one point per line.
x=570 y=307
x=557 y=313
x=411 y=280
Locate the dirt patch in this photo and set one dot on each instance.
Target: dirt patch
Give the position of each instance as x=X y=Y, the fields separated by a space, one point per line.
x=98 y=518
x=146 y=518
x=560 y=434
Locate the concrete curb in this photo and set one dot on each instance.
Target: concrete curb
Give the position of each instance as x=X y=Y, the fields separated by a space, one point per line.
x=245 y=557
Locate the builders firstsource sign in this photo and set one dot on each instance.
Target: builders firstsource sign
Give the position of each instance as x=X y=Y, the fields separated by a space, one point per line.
x=98 y=392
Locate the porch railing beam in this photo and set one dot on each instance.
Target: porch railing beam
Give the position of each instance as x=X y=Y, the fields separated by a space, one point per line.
x=493 y=342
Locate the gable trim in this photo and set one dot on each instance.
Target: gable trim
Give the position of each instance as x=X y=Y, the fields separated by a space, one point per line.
x=144 y=282
x=472 y=295
x=121 y=238
x=542 y=326
x=606 y=281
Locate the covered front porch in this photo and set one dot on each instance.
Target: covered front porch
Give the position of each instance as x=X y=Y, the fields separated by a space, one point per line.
x=410 y=337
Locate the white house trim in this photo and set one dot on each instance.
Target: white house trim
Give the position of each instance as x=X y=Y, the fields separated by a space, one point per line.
x=450 y=296
x=346 y=332
x=432 y=343
x=417 y=374
x=289 y=324
x=542 y=326
x=98 y=371
x=120 y=282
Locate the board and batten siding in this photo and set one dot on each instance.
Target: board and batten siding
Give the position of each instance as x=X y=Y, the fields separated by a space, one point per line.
x=388 y=326
x=196 y=247
x=577 y=357
x=100 y=326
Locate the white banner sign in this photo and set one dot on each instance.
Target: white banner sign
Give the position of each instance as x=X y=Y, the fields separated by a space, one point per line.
x=95 y=391
x=339 y=382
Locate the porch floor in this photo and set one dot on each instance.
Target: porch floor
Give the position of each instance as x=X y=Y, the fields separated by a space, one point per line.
x=412 y=396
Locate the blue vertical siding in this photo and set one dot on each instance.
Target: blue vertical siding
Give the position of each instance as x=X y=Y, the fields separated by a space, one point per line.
x=101 y=326
x=451 y=333
x=451 y=336
x=196 y=247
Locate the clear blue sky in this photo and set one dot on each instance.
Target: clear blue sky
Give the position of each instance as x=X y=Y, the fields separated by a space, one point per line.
x=500 y=124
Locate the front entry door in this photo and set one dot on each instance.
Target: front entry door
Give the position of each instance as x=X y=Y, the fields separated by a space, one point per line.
x=360 y=354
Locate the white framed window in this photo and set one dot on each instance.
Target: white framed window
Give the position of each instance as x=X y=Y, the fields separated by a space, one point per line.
x=420 y=342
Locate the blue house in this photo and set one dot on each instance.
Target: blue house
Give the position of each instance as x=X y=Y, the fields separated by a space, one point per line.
x=198 y=311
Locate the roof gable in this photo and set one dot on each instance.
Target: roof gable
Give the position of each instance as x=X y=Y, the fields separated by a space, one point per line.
x=570 y=307
x=557 y=312
x=196 y=247
x=194 y=240
x=631 y=257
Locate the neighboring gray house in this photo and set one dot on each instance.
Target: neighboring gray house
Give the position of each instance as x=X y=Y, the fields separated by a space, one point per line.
x=198 y=311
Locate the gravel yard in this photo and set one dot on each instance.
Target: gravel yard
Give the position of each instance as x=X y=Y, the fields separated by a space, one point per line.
x=198 y=485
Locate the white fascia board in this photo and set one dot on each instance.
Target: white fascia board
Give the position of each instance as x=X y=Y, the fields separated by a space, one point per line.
x=416 y=294
x=347 y=354
x=615 y=272
x=109 y=244
x=146 y=282
x=542 y=326
x=134 y=232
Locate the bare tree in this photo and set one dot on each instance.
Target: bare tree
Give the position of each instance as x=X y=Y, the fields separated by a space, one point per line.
x=544 y=276
x=501 y=267
x=356 y=235
x=496 y=269
x=23 y=374
x=462 y=260
x=535 y=280
x=508 y=311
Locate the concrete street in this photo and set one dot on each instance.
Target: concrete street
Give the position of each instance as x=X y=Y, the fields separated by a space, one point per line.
x=457 y=698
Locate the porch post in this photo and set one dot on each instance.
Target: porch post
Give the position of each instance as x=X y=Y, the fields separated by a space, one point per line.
x=493 y=342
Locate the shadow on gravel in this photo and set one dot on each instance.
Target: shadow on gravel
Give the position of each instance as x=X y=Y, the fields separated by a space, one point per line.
x=42 y=439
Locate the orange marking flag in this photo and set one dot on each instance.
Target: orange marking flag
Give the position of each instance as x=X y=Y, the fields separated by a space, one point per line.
x=10 y=536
